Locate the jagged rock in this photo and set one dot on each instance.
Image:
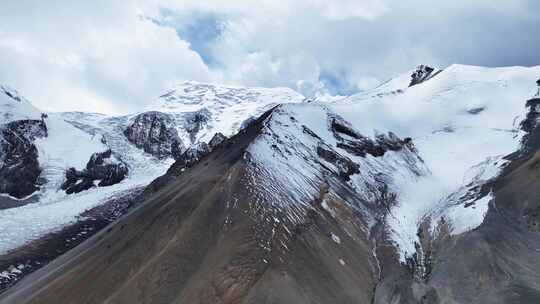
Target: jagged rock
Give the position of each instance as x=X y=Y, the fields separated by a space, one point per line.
x=533 y=115
x=391 y=141
x=345 y=166
x=355 y=143
x=538 y=83
x=104 y=167
x=154 y=132
x=340 y=127
x=216 y=140
x=421 y=74
x=19 y=166
x=192 y=155
x=195 y=122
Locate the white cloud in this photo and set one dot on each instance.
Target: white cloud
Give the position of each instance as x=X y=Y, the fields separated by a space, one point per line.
x=108 y=56
x=72 y=55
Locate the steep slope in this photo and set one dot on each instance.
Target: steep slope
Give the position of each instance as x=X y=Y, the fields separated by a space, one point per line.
x=226 y=239
x=419 y=193
x=57 y=168
x=20 y=126
x=72 y=139
x=203 y=109
x=463 y=122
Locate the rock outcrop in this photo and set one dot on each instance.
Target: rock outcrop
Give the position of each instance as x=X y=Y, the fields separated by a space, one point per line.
x=155 y=133
x=345 y=165
x=359 y=145
x=192 y=155
x=195 y=122
x=421 y=74
x=216 y=140
x=103 y=169
x=19 y=166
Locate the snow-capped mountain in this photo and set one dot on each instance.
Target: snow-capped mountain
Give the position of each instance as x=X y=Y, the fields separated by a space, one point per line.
x=421 y=190
x=202 y=110
x=63 y=181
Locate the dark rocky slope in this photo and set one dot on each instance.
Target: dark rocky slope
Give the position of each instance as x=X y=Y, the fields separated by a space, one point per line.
x=19 y=166
x=200 y=239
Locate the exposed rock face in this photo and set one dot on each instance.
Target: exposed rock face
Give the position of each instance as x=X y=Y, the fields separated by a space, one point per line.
x=359 y=145
x=104 y=168
x=19 y=166
x=422 y=73
x=345 y=166
x=216 y=140
x=192 y=155
x=202 y=242
x=155 y=133
x=189 y=158
x=195 y=122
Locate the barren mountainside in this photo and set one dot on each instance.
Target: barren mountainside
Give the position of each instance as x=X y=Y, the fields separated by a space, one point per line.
x=422 y=190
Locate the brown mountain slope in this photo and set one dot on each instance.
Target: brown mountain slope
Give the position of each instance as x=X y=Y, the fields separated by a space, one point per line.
x=187 y=244
x=214 y=233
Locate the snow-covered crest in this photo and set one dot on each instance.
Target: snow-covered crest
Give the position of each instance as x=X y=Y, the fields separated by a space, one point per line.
x=462 y=121
x=300 y=152
x=226 y=107
x=13 y=106
x=74 y=137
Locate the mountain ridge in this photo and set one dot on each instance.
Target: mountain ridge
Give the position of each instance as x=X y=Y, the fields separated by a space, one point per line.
x=344 y=200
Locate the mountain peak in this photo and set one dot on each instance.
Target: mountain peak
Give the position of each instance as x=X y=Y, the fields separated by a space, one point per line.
x=13 y=106
x=193 y=93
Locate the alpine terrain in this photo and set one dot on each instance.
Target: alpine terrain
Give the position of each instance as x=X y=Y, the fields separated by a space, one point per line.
x=424 y=189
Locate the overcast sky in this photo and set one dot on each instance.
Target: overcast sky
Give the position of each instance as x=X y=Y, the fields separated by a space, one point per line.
x=114 y=56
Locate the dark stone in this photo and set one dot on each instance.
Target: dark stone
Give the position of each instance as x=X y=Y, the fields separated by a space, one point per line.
x=421 y=74
x=195 y=122
x=339 y=126
x=475 y=111
x=310 y=132
x=345 y=166
x=155 y=133
x=355 y=143
x=192 y=155
x=104 y=167
x=216 y=140
x=19 y=166
x=531 y=120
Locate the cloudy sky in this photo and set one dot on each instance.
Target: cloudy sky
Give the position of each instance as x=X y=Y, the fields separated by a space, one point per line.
x=115 y=56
